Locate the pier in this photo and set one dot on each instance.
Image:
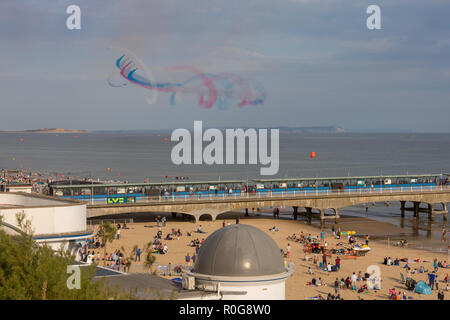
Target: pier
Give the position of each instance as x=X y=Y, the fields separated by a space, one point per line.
x=311 y=205
x=314 y=198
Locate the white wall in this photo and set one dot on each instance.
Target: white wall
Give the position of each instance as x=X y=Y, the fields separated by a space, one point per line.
x=24 y=200
x=267 y=290
x=50 y=219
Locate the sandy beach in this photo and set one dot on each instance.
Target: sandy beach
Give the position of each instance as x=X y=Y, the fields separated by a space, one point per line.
x=140 y=233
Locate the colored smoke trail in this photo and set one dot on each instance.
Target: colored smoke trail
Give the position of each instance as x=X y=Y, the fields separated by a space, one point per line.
x=212 y=89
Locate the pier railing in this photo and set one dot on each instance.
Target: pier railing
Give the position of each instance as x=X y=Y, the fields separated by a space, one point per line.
x=282 y=194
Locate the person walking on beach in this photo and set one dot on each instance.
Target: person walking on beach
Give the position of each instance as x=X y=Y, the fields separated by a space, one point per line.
x=444 y=234
x=431 y=277
x=353 y=279
x=333 y=231
x=336 y=286
x=138 y=255
x=338 y=263
x=118 y=234
x=367 y=239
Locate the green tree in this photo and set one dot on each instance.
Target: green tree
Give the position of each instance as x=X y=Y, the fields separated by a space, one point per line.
x=149 y=258
x=106 y=232
x=31 y=271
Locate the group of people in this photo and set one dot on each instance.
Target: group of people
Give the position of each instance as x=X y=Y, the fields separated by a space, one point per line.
x=82 y=254
x=196 y=242
x=117 y=261
x=174 y=234
x=160 y=220
x=432 y=277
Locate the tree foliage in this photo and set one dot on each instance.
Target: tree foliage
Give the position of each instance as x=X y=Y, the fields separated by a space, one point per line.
x=106 y=232
x=30 y=271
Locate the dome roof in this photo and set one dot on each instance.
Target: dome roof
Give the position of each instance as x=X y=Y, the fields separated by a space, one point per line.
x=239 y=250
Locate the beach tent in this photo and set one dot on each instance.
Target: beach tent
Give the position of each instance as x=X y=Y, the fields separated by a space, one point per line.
x=422 y=288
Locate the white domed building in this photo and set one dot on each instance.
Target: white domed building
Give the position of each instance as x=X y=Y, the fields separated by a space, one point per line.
x=239 y=262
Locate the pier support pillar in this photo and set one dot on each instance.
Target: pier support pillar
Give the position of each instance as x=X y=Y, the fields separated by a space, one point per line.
x=246 y=212
x=308 y=214
x=174 y=214
x=322 y=217
x=336 y=216
x=430 y=212
x=416 y=209
x=402 y=208
x=295 y=212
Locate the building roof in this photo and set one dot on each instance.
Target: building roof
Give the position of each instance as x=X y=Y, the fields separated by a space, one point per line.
x=146 y=184
x=239 y=250
x=404 y=176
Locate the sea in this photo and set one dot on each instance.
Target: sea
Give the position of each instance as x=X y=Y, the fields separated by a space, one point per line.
x=138 y=156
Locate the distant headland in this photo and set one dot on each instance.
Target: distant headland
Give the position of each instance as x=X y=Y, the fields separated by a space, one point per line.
x=47 y=130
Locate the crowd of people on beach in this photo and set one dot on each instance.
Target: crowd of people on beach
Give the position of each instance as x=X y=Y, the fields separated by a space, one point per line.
x=321 y=259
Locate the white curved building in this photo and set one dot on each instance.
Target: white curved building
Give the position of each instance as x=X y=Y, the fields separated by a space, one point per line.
x=53 y=221
x=239 y=262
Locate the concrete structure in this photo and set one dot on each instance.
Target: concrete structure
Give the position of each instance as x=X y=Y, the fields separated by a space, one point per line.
x=239 y=262
x=53 y=221
x=314 y=204
x=16 y=188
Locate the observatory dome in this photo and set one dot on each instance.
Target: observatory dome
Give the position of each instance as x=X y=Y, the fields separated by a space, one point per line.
x=239 y=250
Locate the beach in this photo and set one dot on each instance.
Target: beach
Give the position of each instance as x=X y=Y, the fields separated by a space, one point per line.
x=140 y=232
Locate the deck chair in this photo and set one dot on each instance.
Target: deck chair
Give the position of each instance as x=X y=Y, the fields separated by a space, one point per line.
x=159 y=269
x=402 y=277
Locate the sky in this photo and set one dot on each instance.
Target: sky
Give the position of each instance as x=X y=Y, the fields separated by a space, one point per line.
x=316 y=59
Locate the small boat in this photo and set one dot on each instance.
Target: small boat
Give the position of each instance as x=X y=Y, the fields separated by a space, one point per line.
x=361 y=248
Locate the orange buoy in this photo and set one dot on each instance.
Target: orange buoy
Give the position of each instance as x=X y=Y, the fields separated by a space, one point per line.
x=313 y=155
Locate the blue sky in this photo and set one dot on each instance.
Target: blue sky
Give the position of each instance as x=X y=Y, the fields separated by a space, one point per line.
x=318 y=62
